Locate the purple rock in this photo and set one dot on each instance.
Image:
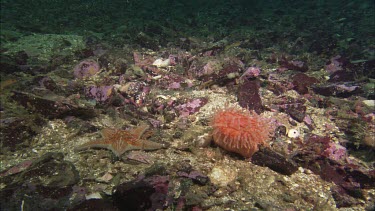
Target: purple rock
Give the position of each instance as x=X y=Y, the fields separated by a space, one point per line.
x=338 y=90
x=174 y=85
x=86 y=68
x=101 y=94
x=251 y=72
x=334 y=65
x=173 y=59
x=335 y=152
x=191 y=107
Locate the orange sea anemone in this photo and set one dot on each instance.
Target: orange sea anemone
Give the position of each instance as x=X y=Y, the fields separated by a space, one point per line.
x=240 y=131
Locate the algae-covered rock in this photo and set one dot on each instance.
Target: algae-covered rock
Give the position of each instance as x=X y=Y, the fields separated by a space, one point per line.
x=45 y=183
x=41 y=49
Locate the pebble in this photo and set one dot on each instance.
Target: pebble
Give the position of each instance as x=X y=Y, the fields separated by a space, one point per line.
x=222 y=176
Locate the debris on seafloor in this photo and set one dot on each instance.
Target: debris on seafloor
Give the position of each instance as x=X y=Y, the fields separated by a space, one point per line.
x=232 y=113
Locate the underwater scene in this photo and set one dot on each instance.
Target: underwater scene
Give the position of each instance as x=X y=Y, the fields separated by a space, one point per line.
x=187 y=105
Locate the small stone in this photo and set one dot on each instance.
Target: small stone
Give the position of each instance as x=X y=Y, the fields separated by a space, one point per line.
x=221 y=176
x=95 y=195
x=203 y=140
x=106 y=177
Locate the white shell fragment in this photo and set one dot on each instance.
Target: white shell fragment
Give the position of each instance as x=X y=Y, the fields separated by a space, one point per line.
x=95 y=195
x=162 y=63
x=293 y=133
x=369 y=103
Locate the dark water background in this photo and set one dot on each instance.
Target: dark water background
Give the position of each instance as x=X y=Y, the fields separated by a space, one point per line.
x=344 y=25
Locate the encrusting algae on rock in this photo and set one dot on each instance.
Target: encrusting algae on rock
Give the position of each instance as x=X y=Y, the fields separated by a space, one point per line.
x=240 y=131
x=120 y=141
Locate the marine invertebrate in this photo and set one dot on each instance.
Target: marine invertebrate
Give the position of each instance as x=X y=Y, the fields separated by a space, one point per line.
x=240 y=131
x=120 y=141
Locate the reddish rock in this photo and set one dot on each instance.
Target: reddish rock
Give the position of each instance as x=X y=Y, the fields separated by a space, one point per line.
x=248 y=95
x=302 y=82
x=329 y=160
x=293 y=64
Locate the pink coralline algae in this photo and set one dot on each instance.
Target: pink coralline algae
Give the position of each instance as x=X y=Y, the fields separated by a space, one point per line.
x=335 y=64
x=293 y=64
x=135 y=92
x=251 y=72
x=191 y=106
x=335 y=151
x=101 y=94
x=173 y=59
x=86 y=68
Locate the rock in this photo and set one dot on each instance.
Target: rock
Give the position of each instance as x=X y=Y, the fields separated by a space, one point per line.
x=335 y=64
x=222 y=175
x=86 y=69
x=294 y=107
x=342 y=199
x=323 y=157
x=191 y=106
x=46 y=184
x=196 y=176
x=275 y=161
x=16 y=132
x=40 y=52
x=251 y=72
x=52 y=106
x=217 y=71
x=293 y=64
x=149 y=193
x=248 y=95
x=101 y=94
x=302 y=82
x=343 y=90
x=342 y=76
